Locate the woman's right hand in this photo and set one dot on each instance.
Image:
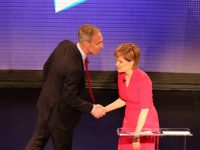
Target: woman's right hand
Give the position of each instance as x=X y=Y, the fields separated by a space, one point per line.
x=136 y=145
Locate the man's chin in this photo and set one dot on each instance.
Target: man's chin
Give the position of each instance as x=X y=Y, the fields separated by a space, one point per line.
x=96 y=53
x=119 y=71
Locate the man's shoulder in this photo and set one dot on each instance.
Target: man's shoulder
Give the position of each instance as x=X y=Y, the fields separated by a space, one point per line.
x=67 y=43
x=67 y=46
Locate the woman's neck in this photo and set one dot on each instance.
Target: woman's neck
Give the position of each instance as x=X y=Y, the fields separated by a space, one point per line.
x=128 y=75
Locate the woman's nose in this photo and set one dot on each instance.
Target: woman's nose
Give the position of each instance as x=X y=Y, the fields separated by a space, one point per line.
x=117 y=64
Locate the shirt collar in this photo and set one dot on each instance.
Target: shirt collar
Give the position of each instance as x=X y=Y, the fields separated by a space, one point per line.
x=81 y=51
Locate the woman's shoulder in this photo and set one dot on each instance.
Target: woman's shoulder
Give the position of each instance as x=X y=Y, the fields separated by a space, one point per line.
x=142 y=75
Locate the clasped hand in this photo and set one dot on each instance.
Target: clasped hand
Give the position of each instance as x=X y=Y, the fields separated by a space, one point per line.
x=98 y=111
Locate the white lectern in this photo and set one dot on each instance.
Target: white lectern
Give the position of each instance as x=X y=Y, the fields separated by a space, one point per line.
x=157 y=133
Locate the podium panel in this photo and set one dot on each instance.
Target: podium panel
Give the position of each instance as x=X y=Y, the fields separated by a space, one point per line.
x=157 y=133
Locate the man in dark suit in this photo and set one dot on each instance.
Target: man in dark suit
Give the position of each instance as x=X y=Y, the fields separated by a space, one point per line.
x=61 y=100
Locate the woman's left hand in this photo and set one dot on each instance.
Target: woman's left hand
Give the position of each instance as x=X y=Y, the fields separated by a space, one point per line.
x=136 y=145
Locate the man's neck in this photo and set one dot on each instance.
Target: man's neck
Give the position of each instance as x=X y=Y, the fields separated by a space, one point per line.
x=83 y=48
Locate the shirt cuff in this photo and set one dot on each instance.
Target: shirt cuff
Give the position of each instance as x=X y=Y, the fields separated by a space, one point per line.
x=92 y=109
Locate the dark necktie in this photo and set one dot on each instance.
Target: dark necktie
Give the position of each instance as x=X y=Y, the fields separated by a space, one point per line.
x=88 y=80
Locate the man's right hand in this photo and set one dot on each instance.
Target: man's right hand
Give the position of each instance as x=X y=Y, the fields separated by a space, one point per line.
x=98 y=111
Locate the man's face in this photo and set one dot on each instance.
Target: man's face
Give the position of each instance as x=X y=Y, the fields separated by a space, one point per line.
x=96 y=44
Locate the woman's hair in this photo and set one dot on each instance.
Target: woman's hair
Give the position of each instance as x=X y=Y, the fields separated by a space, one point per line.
x=86 y=32
x=129 y=51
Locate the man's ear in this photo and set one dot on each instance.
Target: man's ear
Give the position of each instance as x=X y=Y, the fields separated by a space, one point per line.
x=85 y=45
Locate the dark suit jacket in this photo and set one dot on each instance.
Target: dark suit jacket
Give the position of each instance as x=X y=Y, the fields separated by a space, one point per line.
x=61 y=99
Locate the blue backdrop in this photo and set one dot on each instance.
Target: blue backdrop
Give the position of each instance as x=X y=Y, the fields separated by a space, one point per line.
x=167 y=31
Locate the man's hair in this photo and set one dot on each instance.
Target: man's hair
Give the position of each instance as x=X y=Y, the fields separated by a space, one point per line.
x=129 y=51
x=86 y=32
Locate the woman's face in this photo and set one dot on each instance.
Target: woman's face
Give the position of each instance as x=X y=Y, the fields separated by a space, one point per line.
x=124 y=65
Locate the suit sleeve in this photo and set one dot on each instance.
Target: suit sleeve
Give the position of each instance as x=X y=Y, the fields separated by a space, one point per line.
x=47 y=66
x=69 y=67
x=71 y=95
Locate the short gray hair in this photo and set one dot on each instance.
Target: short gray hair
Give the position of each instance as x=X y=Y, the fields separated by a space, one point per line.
x=86 y=32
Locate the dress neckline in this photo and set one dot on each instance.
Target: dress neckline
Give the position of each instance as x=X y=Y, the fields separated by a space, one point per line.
x=131 y=78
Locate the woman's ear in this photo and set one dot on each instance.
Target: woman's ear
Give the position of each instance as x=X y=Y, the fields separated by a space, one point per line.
x=133 y=63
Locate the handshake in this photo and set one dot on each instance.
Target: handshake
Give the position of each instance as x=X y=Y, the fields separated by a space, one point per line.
x=98 y=111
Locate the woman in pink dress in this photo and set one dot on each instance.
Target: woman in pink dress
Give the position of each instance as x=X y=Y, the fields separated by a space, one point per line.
x=135 y=93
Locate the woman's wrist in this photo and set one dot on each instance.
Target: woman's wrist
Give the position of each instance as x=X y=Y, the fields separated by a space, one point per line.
x=136 y=139
x=106 y=109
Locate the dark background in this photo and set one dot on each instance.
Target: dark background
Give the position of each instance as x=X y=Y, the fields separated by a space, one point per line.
x=176 y=97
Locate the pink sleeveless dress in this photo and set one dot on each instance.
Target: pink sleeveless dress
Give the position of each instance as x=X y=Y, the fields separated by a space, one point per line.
x=137 y=95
